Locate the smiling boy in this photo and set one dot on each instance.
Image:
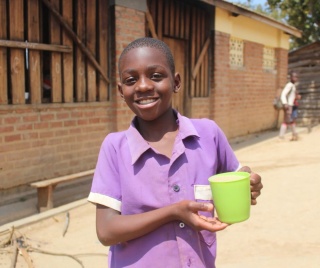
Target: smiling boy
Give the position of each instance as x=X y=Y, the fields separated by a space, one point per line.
x=150 y=186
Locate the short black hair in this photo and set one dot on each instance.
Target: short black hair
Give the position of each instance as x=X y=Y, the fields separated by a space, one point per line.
x=293 y=72
x=153 y=43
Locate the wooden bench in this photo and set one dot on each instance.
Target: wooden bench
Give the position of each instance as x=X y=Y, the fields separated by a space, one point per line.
x=45 y=188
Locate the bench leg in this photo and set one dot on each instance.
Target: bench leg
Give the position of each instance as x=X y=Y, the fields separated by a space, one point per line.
x=45 y=198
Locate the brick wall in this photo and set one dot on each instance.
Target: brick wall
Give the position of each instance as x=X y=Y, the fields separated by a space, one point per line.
x=242 y=98
x=49 y=140
x=200 y=107
x=45 y=141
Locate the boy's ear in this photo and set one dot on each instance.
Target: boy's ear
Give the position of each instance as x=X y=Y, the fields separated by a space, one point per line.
x=120 y=90
x=177 y=83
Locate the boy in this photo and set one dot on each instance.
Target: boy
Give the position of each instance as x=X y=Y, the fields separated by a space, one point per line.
x=151 y=182
x=289 y=98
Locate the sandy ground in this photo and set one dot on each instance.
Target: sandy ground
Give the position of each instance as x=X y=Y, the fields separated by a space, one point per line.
x=283 y=230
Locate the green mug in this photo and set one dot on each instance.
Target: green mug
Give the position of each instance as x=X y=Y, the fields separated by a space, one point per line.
x=231 y=196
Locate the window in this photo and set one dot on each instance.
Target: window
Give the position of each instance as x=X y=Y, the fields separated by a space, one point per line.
x=236 y=52
x=269 y=59
x=43 y=63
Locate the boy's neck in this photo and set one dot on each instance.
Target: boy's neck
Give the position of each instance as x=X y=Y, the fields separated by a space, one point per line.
x=155 y=130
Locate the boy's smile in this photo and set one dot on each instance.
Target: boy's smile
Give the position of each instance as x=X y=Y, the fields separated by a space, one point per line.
x=147 y=83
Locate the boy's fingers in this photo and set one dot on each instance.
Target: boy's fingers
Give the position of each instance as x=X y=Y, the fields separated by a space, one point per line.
x=245 y=169
x=196 y=206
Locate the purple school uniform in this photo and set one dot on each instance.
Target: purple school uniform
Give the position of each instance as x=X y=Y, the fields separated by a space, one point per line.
x=132 y=178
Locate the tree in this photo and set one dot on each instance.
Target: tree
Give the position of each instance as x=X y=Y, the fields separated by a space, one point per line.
x=302 y=14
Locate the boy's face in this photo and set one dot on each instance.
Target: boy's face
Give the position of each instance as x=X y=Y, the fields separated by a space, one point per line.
x=294 y=77
x=146 y=82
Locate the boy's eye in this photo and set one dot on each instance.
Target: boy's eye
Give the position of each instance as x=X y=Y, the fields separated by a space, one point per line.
x=129 y=81
x=156 y=76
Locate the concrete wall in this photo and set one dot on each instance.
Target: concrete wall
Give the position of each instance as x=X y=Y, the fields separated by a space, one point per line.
x=250 y=30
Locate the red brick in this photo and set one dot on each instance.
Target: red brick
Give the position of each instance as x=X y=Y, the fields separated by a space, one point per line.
x=30 y=135
x=56 y=124
x=46 y=117
x=69 y=123
x=4 y=129
x=12 y=120
x=60 y=116
x=30 y=118
x=11 y=138
x=41 y=125
x=24 y=127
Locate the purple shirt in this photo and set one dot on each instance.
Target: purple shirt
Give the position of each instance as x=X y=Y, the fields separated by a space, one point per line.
x=132 y=177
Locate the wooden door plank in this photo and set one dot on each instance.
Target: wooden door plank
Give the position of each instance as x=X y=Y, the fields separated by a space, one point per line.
x=74 y=37
x=67 y=58
x=80 y=81
x=91 y=45
x=198 y=79
x=103 y=48
x=34 y=46
x=182 y=20
x=3 y=54
x=172 y=21
x=34 y=55
x=206 y=86
x=153 y=11
x=193 y=49
x=55 y=70
x=17 y=56
x=166 y=19
x=177 y=20
x=187 y=27
x=200 y=59
x=159 y=19
x=151 y=26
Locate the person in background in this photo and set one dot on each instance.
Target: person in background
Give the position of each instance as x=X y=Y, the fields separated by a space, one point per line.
x=153 y=201
x=295 y=113
x=289 y=98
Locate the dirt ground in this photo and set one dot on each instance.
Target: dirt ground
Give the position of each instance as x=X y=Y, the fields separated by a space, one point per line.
x=283 y=230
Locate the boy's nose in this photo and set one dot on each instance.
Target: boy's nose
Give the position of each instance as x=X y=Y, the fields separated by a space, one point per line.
x=143 y=85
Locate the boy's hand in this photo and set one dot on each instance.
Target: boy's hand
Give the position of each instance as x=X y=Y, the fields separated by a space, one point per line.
x=255 y=183
x=188 y=213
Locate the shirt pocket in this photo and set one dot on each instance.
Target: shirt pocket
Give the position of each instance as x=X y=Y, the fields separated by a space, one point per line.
x=207 y=237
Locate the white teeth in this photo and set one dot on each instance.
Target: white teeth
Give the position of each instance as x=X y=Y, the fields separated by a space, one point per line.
x=146 y=101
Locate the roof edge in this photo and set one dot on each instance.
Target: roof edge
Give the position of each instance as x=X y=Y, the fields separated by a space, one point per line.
x=235 y=9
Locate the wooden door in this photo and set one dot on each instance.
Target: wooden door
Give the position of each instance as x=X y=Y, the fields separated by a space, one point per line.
x=178 y=48
x=186 y=27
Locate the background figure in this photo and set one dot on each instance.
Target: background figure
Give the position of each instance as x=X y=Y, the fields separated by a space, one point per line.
x=289 y=97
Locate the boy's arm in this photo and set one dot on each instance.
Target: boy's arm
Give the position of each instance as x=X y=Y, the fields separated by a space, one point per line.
x=113 y=228
x=284 y=93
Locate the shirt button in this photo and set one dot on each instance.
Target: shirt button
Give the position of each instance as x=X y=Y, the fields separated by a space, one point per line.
x=176 y=188
x=181 y=225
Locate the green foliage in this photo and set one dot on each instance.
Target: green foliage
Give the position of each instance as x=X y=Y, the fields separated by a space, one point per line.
x=301 y=14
